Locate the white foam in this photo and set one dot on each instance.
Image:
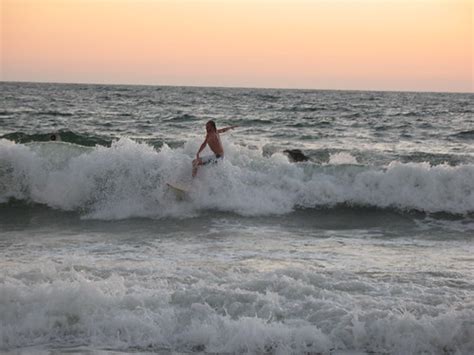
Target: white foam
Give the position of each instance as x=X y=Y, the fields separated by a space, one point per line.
x=283 y=311
x=342 y=158
x=128 y=179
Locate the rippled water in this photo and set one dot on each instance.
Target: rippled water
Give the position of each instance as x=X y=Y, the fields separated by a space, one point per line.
x=366 y=247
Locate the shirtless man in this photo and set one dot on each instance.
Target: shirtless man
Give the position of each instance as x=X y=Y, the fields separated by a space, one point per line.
x=214 y=142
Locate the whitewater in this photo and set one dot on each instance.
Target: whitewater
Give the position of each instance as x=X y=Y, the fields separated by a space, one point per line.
x=129 y=179
x=364 y=247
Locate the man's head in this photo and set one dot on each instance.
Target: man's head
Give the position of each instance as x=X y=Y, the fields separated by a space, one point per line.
x=211 y=126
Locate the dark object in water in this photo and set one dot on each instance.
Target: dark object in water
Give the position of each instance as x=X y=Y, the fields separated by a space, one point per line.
x=295 y=155
x=54 y=137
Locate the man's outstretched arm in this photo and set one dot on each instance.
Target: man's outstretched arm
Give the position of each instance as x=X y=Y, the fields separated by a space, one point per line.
x=222 y=130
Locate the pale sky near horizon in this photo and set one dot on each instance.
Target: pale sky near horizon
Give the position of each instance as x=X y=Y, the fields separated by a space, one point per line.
x=418 y=45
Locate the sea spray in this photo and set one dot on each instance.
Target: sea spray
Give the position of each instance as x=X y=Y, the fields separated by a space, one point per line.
x=108 y=301
x=129 y=179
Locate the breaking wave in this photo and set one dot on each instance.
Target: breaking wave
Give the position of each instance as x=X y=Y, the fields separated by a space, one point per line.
x=128 y=179
x=287 y=311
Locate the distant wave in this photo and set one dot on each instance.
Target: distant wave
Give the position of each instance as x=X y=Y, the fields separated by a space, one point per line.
x=54 y=113
x=183 y=118
x=84 y=139
x=465 y=135
x=128 y=179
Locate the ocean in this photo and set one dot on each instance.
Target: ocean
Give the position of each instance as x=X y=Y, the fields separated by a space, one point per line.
x=366 y=246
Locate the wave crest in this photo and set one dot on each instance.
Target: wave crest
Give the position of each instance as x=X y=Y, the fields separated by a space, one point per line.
x=129 y=179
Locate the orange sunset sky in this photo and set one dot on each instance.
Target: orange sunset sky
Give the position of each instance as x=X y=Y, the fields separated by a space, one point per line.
x=417 y=45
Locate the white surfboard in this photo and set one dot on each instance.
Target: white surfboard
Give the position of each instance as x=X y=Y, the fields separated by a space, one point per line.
x=178 y=188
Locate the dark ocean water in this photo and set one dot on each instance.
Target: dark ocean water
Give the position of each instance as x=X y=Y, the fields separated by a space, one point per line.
x=366 y=247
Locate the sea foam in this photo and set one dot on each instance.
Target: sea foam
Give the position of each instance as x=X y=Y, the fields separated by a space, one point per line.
x=129 y=179
x=286 y=311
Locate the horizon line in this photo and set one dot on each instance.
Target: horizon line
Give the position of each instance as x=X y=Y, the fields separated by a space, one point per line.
x=235 y=87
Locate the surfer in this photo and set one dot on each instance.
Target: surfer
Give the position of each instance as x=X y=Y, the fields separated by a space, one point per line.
x=214 y=142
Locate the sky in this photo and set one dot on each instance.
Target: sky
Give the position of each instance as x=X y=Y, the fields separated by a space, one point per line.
x=400 y=45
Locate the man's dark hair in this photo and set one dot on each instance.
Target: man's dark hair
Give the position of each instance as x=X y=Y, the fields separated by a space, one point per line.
x=213 y=124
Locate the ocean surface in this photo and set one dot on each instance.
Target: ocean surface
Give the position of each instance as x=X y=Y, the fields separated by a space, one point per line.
x=365 y=248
